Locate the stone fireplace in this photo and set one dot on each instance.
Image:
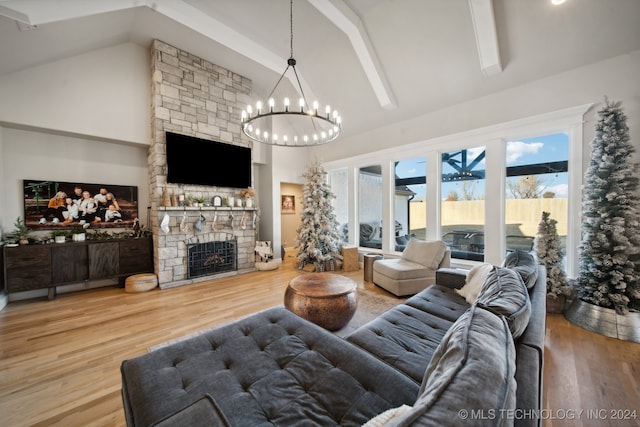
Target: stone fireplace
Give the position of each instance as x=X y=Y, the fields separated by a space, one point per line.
x=194 y=97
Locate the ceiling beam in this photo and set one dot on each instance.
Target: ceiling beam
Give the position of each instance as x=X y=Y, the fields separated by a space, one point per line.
x=338 y=12
x=484 y=27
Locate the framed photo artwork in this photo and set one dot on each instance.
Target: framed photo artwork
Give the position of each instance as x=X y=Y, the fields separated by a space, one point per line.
x=54 y=204
x=288 y=204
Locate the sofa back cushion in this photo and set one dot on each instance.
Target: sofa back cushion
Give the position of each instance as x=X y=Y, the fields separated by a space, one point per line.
x=473 y=368
x=524 y=264
x=429 y=254
x=505 y=293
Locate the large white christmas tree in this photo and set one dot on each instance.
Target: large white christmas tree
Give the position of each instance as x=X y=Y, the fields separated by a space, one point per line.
x=318 y=240
x=609 y=273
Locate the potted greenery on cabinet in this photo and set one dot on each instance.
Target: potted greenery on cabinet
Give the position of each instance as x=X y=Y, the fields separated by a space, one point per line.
x=21 y=232
x=78 y=234
x=60 y=236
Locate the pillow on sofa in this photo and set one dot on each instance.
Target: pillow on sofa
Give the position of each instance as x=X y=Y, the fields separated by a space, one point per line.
x=474 y=281
x=425 y=253
x=525 y=264
x=477 y=351
x=505 y=293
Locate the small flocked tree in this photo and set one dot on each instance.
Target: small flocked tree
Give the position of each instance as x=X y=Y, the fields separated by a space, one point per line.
x=318 y=240
x=609 y=270
x=550 y=255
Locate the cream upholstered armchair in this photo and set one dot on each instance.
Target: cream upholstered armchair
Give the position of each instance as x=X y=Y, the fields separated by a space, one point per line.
x=415 y=270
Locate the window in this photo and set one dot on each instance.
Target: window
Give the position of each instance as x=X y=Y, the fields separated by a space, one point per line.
x=370 y=206
x=462 y=206
x=410 y=200
x=536 y=181
x=338 y=180
x=470 y=180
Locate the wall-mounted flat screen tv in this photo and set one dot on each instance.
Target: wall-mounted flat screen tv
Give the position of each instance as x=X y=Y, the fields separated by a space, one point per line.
x=192 y=160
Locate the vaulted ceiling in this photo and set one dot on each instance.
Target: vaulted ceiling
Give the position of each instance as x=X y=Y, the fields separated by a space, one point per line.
x=377 y=61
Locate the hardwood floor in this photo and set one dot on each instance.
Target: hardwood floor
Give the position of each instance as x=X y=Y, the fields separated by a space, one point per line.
x=60 y=359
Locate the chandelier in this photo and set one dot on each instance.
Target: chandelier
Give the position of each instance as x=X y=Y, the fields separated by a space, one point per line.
x=287 y=125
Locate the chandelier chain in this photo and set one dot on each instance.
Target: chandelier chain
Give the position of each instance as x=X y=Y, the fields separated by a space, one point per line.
x=291 y=29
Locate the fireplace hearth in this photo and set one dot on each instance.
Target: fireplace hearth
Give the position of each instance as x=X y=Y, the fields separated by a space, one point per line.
x=207 y=259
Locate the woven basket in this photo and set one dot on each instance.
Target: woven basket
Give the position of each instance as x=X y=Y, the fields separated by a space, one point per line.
x=140 y=282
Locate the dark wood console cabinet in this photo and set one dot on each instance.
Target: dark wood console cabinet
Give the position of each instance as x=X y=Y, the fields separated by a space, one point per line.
x=47 y=266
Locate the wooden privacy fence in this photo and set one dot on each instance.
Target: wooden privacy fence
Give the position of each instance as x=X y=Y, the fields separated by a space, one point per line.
x=521 y=215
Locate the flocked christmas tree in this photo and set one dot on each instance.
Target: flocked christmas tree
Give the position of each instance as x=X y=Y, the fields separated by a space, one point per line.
x=609 y=271
x=318 y=240
x=550 y=255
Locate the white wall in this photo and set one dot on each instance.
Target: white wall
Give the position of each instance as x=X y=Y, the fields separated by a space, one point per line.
x=41 y=156
x=103 y=94
x=616 y=78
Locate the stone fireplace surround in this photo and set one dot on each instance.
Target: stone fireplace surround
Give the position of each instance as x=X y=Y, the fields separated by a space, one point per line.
x=194 y=97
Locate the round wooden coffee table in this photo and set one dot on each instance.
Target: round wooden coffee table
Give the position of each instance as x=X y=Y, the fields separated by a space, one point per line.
x=326 y=299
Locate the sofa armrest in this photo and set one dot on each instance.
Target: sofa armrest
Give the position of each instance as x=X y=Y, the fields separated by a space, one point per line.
x=452 y=278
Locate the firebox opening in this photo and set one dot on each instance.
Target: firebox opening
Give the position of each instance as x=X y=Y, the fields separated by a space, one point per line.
x=206 y=259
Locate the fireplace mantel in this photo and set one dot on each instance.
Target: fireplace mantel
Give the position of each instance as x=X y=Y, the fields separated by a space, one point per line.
x=205 y=208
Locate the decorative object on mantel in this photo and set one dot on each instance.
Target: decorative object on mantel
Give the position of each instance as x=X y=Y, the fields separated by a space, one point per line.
x=165 y=197
x=311 y=127
x=318 y=240
x=550 y=254
x=215 y=219
x=216 y=201
x=248 y=194
x=199 y=225
x=164 y=224
x=243 y=220
x=608 y=282
x=183 y=223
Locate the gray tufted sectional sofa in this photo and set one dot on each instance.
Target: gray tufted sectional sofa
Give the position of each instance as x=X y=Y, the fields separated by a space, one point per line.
x=433 y=360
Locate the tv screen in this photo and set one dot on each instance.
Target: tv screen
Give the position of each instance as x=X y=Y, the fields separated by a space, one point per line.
x=192 y=160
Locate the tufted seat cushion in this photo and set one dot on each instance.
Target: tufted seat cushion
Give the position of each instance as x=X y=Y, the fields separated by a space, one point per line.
x=272 y=368
x=406 y=336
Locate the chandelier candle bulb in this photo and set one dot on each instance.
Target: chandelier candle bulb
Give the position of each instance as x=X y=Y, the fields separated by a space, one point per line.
x=272 y=104
x=286 y=105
